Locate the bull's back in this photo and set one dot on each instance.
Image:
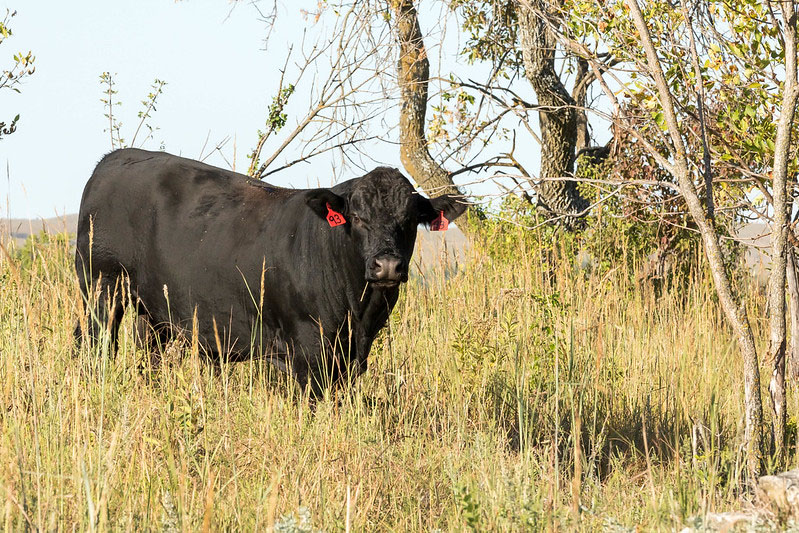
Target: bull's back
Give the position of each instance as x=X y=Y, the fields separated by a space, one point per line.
x=136 y=200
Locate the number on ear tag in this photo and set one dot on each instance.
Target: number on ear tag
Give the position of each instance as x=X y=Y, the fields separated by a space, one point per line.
x=440 y=223
x=334 y=218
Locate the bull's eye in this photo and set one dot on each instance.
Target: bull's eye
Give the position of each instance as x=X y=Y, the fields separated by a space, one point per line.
x=355 y=218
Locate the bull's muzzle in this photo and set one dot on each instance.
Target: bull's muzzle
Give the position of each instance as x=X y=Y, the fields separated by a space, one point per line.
x=389 y=270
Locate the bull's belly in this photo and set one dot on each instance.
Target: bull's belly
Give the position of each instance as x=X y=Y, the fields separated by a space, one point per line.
x=233 y=330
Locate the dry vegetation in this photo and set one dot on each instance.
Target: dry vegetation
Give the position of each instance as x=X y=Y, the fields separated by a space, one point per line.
x=466 y=419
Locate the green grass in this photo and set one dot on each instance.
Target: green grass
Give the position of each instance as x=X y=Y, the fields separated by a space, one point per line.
x=466 y=420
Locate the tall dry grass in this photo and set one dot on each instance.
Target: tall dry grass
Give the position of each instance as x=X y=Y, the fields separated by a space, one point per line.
x=481 y=394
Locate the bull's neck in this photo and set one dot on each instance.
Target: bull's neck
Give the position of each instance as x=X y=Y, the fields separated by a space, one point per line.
x=368 y=305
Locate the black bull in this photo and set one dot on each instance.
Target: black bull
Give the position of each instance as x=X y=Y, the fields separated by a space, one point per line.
x=252 y=269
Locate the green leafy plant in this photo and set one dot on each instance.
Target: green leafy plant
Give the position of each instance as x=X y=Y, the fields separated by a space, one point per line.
x=11 y=78
x=111 y=103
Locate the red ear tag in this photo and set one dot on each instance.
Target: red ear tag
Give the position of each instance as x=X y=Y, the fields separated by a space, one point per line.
x=334 y=218
x=440 y=223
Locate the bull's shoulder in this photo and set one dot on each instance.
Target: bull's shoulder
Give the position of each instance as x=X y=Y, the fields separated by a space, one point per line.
x=261 y=189
x=124 y=156
x=134 y=159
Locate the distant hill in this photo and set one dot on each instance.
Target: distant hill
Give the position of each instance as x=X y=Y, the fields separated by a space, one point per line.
x=19 y=229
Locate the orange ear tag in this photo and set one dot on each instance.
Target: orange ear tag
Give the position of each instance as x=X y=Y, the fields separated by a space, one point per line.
x=440 y=223
x=334 y=218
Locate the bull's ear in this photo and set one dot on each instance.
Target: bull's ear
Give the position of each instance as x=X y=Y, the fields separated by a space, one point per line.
x=319 y=199
x=451 y=205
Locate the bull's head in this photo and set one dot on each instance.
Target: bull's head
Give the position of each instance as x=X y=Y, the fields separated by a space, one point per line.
x=382 y=212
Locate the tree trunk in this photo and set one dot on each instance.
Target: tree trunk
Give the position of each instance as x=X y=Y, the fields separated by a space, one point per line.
x=793 y=297
x=558 y=116
x=582 y=80
x=779 y=239
x=413 y=77
x=733 y=309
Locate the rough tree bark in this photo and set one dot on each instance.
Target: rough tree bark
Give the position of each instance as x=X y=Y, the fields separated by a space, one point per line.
x=413 y=78
x=779 y=239
x=792 y=272
x=582 y=79
x=558 y=116
x=732 y=307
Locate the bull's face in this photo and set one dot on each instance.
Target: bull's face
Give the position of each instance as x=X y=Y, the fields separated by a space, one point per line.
x=382 y=212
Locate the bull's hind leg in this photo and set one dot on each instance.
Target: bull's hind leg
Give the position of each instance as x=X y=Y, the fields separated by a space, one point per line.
x=78 y=333
x=152 y=338
x=105 y=307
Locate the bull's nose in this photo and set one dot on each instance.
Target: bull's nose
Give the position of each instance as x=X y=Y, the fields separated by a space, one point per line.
x=388 y=268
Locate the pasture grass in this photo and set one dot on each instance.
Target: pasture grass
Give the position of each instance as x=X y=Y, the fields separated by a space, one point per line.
x=518 y=394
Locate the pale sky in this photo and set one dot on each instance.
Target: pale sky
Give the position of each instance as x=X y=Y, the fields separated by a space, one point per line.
x=220 y=82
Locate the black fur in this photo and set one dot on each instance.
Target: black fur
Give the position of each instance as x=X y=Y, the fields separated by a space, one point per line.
x=210 y=236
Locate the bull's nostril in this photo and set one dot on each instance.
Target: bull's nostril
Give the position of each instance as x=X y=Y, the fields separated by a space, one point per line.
x=387 y=268
x=378 y=268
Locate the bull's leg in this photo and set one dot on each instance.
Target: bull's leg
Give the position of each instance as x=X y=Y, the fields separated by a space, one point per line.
x=312 y=377
x=78 y=333
x=315 y=362
x=105 y=311
x=326 y=363
x=151 y=337
x=330 y=374
x=356 y=359
x=351 y=371
x=78 y=336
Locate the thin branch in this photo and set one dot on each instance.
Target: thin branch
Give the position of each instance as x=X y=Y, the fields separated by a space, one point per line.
x=315 y=153
x=700 y=105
